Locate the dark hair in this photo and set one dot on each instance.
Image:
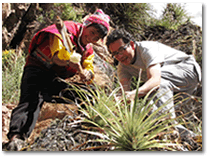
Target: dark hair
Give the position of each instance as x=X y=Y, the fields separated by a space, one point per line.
x=100 y=28
x=117 y=34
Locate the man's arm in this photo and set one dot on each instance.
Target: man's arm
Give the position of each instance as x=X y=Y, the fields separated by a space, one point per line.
x=125 y=82
x=124 y=76
x=154 y=78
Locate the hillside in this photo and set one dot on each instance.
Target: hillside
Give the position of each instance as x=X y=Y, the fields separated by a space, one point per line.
x=20 y=21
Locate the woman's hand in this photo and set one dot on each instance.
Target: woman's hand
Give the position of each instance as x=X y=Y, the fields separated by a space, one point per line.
x=85 y=74
x=59 y=62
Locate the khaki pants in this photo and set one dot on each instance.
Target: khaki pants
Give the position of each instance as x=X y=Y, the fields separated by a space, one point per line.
x=176 y=78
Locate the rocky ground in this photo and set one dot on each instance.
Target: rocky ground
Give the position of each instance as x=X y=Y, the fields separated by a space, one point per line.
x=67 y=134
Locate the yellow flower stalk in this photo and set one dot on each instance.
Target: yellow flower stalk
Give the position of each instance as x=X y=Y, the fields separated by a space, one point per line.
x=5 y=52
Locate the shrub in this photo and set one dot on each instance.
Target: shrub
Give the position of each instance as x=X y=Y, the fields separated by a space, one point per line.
x=172 y=17
x=12 y=68
x=64 y=10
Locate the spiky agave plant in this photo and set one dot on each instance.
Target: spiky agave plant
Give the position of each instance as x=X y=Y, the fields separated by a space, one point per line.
x=129 y=126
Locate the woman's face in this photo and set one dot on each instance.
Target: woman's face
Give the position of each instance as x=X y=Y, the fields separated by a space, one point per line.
x=90 y=35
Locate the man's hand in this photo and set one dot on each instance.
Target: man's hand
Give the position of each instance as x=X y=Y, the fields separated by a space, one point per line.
x=130 y=95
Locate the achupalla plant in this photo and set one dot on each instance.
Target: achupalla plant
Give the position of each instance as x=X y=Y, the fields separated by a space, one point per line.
x=129 y=126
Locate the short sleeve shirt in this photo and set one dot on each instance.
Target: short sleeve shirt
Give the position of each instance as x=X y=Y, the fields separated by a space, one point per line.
x=150 y=53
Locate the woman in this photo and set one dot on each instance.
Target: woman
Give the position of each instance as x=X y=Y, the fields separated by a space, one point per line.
x=40 y=80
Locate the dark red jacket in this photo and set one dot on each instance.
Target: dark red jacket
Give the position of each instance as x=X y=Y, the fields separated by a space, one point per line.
x=41 y=40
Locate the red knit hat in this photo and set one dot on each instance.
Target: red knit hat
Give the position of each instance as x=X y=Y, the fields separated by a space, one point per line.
x=98 y=17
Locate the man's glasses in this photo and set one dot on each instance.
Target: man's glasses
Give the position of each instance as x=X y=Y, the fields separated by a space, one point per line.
x=120 y=51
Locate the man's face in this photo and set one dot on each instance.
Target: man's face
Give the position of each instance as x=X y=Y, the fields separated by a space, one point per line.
x=123 y=52
x=90 y=35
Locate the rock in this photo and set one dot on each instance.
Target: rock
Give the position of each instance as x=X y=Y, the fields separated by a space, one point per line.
x=53 y=111
x=40 y=125
x=104 y=67
x=101 y=79
x=64 y=135
x=48 y=113
x=103 y=53
x=6 y=9
x=6 y=115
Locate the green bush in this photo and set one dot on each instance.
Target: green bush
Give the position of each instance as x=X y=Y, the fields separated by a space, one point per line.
x=12 y=69
x=64 y=10
x=172 y=17
x=68 y=12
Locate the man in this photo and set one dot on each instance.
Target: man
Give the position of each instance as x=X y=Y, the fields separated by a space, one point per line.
x=168 y=69
x=42 y=76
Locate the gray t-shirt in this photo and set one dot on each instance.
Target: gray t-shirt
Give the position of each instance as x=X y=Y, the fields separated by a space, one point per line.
x=150 y=53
